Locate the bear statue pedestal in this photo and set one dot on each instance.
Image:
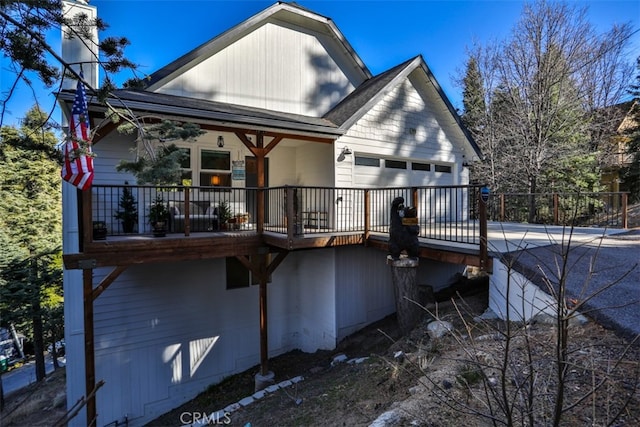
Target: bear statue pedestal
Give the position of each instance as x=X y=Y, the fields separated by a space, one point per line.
x=404 y=273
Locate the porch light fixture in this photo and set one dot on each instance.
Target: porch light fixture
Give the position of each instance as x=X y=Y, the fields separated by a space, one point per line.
x=346 y=151
x=215 y=179
x=220 y=141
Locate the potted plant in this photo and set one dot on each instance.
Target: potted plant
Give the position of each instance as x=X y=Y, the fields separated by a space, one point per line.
x=158 y=216
x=224 y=214
x=241 y=218
x=128 y=213
x=99 y=230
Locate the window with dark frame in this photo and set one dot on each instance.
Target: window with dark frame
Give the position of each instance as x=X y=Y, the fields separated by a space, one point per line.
x=215 y=167
x=395 y=164
x=367 y=161
x=443 y=168
x=239 y=276
x=417 y=166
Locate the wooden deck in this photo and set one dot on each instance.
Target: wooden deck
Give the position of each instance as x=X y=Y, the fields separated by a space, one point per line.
x=139 y=249
x=449 y=234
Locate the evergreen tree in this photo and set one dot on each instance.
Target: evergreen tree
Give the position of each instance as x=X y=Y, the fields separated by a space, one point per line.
x=30 y=220
x=631 y=174
x=473 y=99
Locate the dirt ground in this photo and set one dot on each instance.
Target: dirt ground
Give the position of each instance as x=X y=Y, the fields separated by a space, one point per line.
x=39 y=404
x=436 y=382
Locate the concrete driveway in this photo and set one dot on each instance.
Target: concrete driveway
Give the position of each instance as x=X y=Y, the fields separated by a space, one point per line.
x=603 y=267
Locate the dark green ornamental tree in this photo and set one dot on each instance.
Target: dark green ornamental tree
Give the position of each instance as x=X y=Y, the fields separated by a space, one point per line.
x=30 y=220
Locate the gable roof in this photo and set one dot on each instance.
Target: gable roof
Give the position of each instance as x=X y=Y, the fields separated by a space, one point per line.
x=346 y=112
x=281 y=11
x=356 y=104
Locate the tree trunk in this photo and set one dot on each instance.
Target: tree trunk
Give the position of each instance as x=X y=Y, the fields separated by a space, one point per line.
x=38 y=330
x=404 y=273
x=54 y=351
x=532 y=201
x=38 y=342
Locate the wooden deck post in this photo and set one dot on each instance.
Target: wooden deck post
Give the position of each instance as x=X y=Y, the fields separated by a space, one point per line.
x=86 y=218
x=89 y=352
x=484 y=253
x=260 y=170
x=187 y=213
x=289 y=213
x=367 y=214
x=625 y=210
x=264 y=336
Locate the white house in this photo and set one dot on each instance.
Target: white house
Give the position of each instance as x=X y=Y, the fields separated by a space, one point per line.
x=282 y=93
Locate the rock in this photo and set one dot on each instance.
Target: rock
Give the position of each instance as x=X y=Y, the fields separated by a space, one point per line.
x=389 y=418
x=259 y=394
x=338 y=359
x=284 y=384
x=232 y=408
x=246 y=401
x=487 y=315
x=272 y=388
x=439 y=328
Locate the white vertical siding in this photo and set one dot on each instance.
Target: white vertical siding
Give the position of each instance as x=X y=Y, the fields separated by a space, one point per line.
x=163 y=335
x=315 y=280
x=274 y=67
x=406 y=124
x=364 y=292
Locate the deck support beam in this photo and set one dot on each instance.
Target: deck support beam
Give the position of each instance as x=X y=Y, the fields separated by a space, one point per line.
x=263 y=269
x=89 y=351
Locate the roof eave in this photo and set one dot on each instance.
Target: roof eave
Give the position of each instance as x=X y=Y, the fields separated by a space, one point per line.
x=221 y=117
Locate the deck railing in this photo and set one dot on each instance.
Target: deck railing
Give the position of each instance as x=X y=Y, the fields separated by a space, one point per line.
x=578 y=209
x=190 y=209
x=448 y=213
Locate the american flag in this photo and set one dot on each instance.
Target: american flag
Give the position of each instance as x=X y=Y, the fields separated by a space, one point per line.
x=78 y=162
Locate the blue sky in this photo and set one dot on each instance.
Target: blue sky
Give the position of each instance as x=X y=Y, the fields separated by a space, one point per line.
x=383 y=33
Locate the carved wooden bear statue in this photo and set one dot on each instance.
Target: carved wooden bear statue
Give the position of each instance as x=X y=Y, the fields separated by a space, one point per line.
x=403 y=237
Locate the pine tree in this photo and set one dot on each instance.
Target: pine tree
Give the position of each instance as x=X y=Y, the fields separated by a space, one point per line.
x=128 y=212
x=30 y=220
x=473 y=99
